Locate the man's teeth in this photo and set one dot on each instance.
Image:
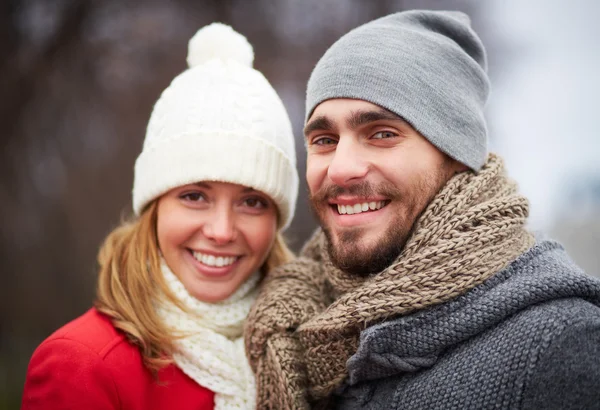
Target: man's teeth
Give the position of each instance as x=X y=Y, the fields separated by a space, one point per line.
x=212 y=260
x=358 y=208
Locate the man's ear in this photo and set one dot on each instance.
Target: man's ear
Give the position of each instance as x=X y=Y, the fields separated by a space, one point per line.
x=459 y=167
x=454 y=167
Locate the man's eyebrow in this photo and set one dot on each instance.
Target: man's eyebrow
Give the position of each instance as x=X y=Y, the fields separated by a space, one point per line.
x=360 y=118
x=319 y=123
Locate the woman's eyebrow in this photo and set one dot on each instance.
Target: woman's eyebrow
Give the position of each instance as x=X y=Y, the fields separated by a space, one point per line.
x=202 y=185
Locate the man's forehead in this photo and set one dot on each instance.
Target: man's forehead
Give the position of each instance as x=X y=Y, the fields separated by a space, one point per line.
x=336 y=108
x=352 y=113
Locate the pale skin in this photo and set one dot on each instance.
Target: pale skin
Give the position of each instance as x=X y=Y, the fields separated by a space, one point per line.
x=370 y=175
x=214 y=235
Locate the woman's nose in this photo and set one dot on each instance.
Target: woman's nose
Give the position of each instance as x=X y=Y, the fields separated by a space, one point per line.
x=220 y=227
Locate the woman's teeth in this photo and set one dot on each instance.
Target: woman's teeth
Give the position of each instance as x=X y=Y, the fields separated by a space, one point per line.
x=359 y=208
x=212 y=260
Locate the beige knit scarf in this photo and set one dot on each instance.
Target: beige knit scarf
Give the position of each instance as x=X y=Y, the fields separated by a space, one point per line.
x=309 y=314
x=211 y=351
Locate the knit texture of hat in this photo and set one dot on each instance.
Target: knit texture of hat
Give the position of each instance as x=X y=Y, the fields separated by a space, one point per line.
x=219 y=120
x=428 y=67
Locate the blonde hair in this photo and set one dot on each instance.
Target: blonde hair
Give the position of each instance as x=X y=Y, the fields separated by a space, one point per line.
x=130 y=281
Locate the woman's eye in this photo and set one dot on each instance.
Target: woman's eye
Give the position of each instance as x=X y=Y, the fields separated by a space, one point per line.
x=382 y=135
x=256 y=203
x=193 y=196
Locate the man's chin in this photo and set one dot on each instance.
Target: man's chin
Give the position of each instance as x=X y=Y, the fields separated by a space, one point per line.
x=354 y=240
x=358 y=253
x=354 y=257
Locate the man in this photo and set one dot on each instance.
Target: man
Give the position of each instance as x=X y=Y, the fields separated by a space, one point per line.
x=423 y=290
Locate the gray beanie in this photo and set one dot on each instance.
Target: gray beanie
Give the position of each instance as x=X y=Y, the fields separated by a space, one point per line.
x=429 y=67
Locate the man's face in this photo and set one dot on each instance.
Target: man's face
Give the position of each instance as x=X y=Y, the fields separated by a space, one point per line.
x=370 y=176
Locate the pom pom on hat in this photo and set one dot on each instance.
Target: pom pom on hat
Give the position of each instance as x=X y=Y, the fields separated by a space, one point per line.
x=219 y=41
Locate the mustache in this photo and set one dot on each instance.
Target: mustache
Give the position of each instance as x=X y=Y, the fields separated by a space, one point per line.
x=361 y=189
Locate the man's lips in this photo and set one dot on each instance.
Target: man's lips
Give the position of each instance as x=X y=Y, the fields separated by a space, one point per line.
x=354 y=199
x=347 y=206
x=359 y=208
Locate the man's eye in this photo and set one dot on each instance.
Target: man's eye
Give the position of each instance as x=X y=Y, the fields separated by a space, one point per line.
x=382 y=135
x=324 y=141
x=193 y=196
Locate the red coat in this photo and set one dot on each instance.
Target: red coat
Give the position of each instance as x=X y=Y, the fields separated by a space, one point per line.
x=88 y=364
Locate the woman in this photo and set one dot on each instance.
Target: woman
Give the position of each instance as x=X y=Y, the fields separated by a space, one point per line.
x=215 y=184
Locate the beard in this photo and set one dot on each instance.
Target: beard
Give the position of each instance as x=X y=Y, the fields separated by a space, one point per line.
x=350 y=257
x=346 y=248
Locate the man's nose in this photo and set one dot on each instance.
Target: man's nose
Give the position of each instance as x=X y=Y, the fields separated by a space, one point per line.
x=349 y=164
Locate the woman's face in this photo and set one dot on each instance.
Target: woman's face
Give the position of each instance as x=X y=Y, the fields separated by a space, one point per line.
x=214 y=235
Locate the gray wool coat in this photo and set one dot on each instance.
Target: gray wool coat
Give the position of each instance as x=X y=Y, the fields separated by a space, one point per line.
x=527 y=338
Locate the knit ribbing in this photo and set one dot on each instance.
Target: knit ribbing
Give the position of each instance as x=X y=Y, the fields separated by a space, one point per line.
x=472 y=229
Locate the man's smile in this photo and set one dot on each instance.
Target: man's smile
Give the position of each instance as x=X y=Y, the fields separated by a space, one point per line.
x=360 y=207
x=349 y=212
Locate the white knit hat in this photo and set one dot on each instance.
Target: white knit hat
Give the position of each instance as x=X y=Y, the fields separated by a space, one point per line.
x=220 y=120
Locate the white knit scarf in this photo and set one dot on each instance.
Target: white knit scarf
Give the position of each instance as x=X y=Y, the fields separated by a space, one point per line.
x=212 y=349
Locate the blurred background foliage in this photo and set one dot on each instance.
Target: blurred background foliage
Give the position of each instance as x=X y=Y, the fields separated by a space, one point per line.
x=78 y=80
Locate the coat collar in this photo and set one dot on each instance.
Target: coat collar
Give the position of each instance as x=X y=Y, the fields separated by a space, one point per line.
x=410 y=343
